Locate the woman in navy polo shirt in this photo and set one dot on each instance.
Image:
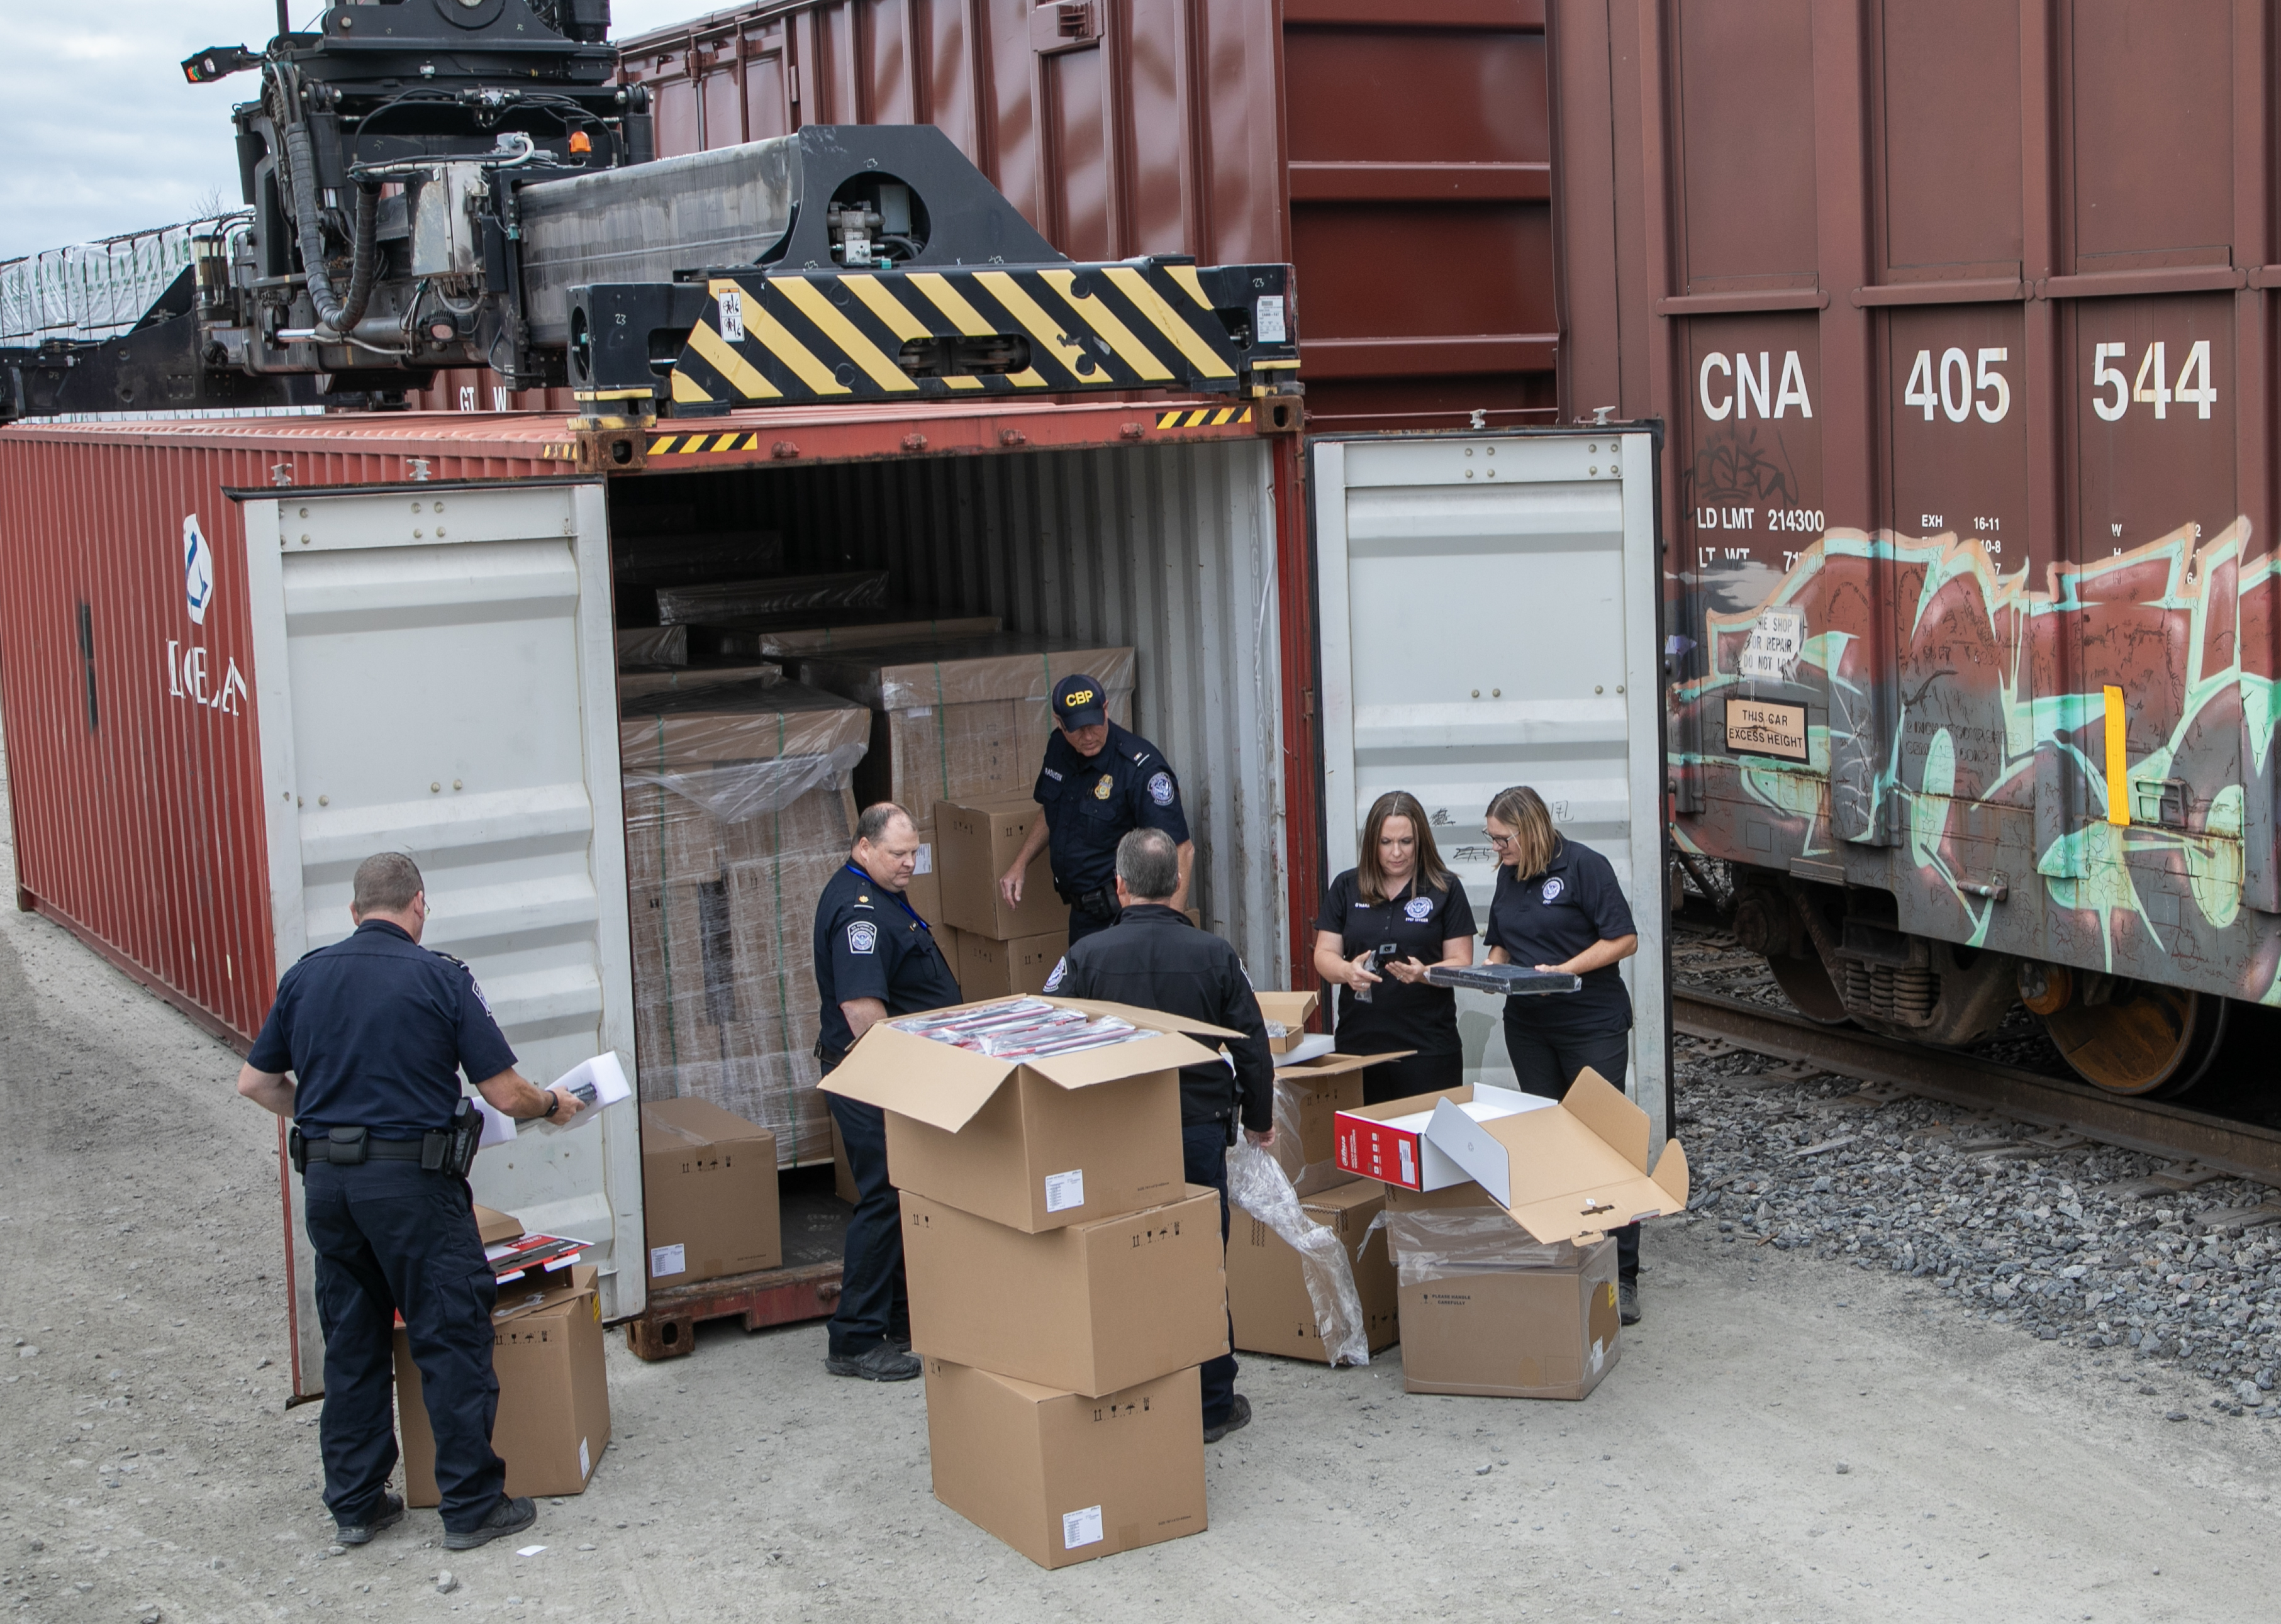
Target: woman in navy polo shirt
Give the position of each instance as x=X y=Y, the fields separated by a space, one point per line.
x=1396 y=894
x=1558 y=907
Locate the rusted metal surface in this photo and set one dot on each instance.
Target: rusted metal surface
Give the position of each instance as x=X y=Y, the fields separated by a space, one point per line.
x=667 y=1326
x=1398 y=156
x=1960 y=315
x=2245 y=1149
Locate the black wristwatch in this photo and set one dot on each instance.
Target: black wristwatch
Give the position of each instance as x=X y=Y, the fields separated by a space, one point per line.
x=553 y=1105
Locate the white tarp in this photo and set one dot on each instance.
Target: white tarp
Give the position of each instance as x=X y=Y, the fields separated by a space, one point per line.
x=93 y=290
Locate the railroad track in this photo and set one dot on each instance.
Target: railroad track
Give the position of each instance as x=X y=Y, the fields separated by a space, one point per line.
x=2194 y=1140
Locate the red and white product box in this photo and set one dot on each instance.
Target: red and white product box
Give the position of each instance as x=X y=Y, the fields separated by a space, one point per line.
x=1388 y=1142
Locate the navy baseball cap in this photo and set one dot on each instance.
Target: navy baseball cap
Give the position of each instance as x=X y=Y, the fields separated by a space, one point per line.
x=1077 y=702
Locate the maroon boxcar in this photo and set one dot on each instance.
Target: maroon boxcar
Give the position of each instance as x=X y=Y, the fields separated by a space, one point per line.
x=1960 y=317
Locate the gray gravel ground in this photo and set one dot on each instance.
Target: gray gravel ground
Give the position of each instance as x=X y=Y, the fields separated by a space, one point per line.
x=1790 y=1436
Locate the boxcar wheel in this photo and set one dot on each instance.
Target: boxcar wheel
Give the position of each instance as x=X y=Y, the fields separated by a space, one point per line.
x=2155 y=1042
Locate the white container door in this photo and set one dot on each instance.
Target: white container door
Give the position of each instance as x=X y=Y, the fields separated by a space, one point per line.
x=435 y=673
x=1489 y=618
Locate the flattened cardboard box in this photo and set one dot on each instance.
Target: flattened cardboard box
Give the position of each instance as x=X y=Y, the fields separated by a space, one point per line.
x=553 y=1417
x=1035 y=1144
x=708 y=1193
x=979 y=843
x=1569 y=1172
x=1267 y=1285
x=1546 y=1332
x=1308 y=1096
x=1062 y=1478
x=1092 y=1308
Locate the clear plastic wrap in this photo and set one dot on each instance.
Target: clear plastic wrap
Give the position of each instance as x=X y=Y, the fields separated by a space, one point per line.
x=652 y=645
x=636 y=682
x=1290 y=1152
x=733 y=600
x=725 y=860
x=965 y=721
x=1436 y=1243
x=1257 y=1183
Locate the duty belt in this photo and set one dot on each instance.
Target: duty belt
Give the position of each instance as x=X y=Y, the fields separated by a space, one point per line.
x=448 y=1150
x=360 y=1148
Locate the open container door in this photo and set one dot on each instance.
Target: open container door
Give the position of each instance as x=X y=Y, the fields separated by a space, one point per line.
x=435 y=673
x=1489 y=609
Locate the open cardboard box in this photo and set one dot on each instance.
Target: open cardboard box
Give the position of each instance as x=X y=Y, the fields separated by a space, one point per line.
x=1033 y=1144
x=1308 y=1096
x=1290 y=1011
x=1388 y=1142
x=1267 y=1296
x=495 y=1227
x=1571 y=1170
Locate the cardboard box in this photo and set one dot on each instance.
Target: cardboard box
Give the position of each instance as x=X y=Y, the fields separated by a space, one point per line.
x=992 y=969
x=1308 y=1096
x=1036 y=1145
x=1290 y=1011
x=924 y=893
x=708 y=1193
x=1536 y=1333
x=1062 y=1478
x=496 y=1226
x=553 y=1419
x=980 y=843
x=1092 y=1308
x=1388 y=1142
x=1267 y=1286
x=1571 y=1171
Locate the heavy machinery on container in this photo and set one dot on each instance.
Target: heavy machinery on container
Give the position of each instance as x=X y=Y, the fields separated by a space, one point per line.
x=1960 y=317
x=457 y=184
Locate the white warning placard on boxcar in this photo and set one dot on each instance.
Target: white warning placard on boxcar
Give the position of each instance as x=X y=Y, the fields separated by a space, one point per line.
x=1771 y=653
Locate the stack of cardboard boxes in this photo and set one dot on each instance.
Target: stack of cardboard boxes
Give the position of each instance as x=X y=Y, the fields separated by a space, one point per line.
x=1002 y=949
x=1065 y=1280
x=1497 y=1207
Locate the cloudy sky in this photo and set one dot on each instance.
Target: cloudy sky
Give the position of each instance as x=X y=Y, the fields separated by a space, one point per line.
x=117 y=141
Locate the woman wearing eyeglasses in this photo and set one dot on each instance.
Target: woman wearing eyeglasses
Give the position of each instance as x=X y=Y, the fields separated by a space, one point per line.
x=1558 y=907
x=1399 y=895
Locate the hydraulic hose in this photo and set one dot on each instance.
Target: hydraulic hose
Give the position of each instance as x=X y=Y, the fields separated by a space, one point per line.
x=336 y=316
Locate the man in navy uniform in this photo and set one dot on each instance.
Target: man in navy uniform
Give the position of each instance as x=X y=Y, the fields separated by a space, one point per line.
x=1099 y=784
x=376 y=1031
x=1155 y=959
x=874 y=957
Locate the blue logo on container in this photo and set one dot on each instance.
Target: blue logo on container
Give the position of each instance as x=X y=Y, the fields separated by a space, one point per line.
x=198 y=570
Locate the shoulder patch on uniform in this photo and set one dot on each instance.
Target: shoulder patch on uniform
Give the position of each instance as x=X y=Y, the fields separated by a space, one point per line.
x=1160 y=789
x=1061 y=971
x=862 y=936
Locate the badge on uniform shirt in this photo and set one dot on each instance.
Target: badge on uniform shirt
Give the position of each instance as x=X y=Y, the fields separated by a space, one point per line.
x=1101 y=790
x=863 y=936
x=1418 y=910
x=1552 y=889
x=1160 y=789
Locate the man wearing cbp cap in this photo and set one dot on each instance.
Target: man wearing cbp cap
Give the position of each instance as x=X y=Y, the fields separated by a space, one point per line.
x=1099 y=784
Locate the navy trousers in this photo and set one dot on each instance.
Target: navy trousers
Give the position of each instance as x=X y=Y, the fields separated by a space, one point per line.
x=1204 y=1150
x=872 y=1300
x=1083 y=925
x=391 y=1238
x=1548 y=1060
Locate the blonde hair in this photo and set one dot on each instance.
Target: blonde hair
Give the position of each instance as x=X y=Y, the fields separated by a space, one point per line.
x=1521 y=809
x=1426 y=870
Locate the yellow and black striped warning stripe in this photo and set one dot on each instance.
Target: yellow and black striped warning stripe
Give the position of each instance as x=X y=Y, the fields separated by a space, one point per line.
x=695 y=445
x=1203 y=417
x=801 y=337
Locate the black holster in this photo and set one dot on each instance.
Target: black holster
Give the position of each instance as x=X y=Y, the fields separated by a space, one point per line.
x=1099 y=903
x=452 y=1150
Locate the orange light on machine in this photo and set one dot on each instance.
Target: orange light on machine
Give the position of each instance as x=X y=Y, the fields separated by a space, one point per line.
x=580 y=142
x=2118 y=763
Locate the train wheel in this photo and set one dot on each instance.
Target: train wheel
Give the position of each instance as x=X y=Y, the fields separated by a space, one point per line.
x=2145 y=1041
x=1807 y=985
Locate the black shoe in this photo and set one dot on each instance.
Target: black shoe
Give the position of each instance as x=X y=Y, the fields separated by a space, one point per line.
x=900 y=1339
x=1239 y=1417
x=509 y=1516
x=1628 y=1296
x=386 y=1514
x=885 y=1363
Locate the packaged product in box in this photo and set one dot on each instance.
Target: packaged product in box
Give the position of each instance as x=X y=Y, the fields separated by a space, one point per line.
x=1570 y=1171
x=1308 y=1096
x=1267 y=1290
x=652 y=645
x=980 y=843
x=791 y=636
x=963 y=721
x=715 y=601
x=708 y=1193
x=1090 y=1308
x=988 y=967
x=1061 y=1477
x=1032 y=1112
x=1287 y=1015
x=1388 y=1142
x=640 y=681
x=1489 y=1311
x=553 y=1417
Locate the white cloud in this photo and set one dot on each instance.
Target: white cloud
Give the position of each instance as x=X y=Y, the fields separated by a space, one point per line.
x=106 y=135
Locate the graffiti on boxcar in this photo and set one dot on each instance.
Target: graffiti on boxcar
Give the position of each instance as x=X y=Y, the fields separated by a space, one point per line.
x=1982 y=751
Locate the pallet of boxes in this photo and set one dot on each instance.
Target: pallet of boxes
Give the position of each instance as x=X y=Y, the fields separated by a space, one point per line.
x=1065 y=1280
x=1271 y=1298
x=1498 y=1208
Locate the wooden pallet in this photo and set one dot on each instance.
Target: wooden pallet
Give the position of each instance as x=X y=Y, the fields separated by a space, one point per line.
x=666 y=1328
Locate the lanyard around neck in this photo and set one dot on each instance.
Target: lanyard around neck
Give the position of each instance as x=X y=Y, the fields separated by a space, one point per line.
x=901 y=900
